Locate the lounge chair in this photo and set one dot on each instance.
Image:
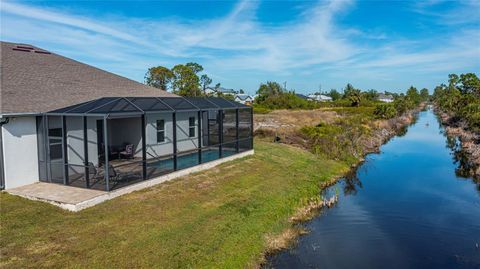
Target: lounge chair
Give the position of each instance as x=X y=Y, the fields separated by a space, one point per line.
x=128 y=152
x=92 y=170
x=116 y=176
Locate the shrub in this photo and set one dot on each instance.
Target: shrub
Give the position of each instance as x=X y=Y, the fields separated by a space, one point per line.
x=340 y=140
x=403 y=104
x=286 y=100
x=257 y=109
x=385 y=111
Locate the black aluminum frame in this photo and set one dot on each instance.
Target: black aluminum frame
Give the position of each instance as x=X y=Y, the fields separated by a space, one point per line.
x=203 y=104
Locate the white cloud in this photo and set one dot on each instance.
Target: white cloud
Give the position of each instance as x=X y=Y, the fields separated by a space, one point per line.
x=240 y=42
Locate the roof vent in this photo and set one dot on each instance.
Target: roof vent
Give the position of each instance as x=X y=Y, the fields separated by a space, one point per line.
x=42 y=51
x=24 y=47
x=29 y=49
x=19 y=49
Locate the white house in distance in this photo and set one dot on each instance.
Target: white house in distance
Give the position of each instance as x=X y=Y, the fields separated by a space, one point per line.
x=387 y=98
x=244 y=99
x=69 y=123
x=319 y=97
x=212 y=91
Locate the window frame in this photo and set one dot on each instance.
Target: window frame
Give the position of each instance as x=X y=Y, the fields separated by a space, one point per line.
x=191 y=127
x=160 y=131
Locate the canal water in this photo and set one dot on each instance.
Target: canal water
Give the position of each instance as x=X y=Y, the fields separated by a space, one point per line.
x=403 y=208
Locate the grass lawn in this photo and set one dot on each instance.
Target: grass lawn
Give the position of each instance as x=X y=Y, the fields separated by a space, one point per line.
x=216 y=218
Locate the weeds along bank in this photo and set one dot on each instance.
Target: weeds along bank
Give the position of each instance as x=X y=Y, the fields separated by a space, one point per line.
x=457 y=105
x=343 y=134
x=464 y=143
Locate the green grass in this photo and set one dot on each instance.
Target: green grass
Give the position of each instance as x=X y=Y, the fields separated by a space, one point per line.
x=218 y=218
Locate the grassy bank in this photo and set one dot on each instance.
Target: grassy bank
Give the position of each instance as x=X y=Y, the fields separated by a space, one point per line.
x=345 y=134
x=217 y=218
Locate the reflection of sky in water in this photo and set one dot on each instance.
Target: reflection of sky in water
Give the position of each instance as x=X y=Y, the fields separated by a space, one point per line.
x=404 y=208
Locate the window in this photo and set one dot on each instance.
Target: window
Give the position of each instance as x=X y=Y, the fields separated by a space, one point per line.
x=191 y=127
x=160 y=131
x=55 y=143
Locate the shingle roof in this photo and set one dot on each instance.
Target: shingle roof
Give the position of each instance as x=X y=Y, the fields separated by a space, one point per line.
x=243 y=97
x=385 y=96
x=35 y=80
x=224 y=90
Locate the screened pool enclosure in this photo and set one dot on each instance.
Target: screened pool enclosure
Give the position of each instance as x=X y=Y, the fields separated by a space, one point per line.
x=112 y=142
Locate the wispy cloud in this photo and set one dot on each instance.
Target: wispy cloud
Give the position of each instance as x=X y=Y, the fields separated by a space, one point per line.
x=239 y=42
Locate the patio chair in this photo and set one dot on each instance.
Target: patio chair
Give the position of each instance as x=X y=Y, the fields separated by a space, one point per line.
x=128 y=152
x=95 y=176
x=116 y=176
x=112 y=174
x=92 y=170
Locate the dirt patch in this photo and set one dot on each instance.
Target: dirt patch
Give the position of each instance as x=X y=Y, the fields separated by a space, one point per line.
x=284 y=122
x=284 y=126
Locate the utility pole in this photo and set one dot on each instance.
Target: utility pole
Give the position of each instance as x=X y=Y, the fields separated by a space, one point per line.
x=285 y=86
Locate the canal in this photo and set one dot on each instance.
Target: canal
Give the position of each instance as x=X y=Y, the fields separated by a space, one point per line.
x=403 y=208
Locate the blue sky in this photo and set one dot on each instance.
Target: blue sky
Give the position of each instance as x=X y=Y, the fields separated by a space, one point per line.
x=384 y=45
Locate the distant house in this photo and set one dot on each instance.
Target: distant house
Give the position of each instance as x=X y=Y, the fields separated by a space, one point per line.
x=226 y=91
x=244 y=99
x=299 y=95
x=387 y=98
x=219 y=91
x=319 y=97
x=210 y=91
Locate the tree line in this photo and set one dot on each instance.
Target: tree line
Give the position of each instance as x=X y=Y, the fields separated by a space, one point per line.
x=402 y=103
x=460 y=98
x=183 y=79
x=271 y=95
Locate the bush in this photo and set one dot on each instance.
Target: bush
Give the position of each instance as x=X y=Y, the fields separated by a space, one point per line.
x=474 y=121
x=286 y=100
x=340 y=140
x=385 y=111
x=461 y=98
x=257 y=109
x=403 y=104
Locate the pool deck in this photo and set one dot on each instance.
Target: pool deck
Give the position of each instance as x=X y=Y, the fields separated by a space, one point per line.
x=76 y=199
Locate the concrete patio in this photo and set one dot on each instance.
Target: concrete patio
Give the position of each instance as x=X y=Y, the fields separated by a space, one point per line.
x=66 y=197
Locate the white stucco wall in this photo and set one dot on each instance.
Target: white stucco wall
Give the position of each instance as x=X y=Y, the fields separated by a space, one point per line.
x=75 y=146
x=155 y=149
x=92 y=139
x=20 y=152
x=184 y=142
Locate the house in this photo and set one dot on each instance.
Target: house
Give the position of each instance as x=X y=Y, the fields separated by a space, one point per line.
x=301 y=96
x=209 y=91
x=319 y=97
x=69 y=123
x=244 y=99
x=387 y=98
x=219 y=91
x=225 y=91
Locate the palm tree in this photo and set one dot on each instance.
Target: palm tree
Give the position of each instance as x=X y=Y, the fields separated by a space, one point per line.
x=355 y=97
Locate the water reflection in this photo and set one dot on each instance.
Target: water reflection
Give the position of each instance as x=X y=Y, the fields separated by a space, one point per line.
x=464 y=168
x=351 y=183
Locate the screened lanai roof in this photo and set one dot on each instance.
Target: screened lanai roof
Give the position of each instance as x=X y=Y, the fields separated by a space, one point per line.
x=140 y=105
